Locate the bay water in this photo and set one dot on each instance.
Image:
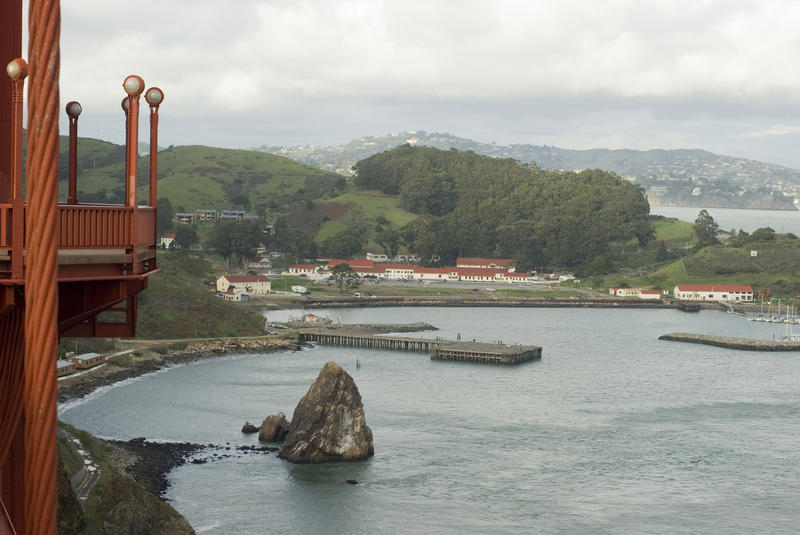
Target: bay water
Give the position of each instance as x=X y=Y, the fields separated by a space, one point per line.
x=613 y=431
x=781 y=221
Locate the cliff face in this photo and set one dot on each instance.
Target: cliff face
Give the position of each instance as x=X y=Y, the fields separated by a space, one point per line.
x=329 y=422
x=127 y=508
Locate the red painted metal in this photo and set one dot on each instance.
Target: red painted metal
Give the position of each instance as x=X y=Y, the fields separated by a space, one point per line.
x=41 y=290
x=154 y=97
x=16 y=167
x=73 y=111
x=79 y=261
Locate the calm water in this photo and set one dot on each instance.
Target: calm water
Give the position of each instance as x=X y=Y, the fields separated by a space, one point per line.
x=781 y=221
x=612 y=432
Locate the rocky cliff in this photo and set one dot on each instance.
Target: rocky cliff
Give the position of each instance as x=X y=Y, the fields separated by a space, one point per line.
x=329 y=422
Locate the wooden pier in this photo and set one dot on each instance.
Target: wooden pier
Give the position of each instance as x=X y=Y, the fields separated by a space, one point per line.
x=439 y=349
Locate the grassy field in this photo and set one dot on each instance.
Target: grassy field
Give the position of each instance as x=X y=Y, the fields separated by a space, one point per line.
x=369 y=205
x=194 y=177
x=674 y=230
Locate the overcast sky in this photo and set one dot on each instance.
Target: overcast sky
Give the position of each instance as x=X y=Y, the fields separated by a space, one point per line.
x=721 y=75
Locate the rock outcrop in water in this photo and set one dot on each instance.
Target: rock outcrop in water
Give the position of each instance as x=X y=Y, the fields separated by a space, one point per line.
x=249 y=428
x=329 y=422
x=274 y=428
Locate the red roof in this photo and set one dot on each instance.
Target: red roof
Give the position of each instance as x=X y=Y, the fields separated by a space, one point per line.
x=484 y=262
x=713 y=288
x=479 y=272
x=247 y=278
x=170 y=235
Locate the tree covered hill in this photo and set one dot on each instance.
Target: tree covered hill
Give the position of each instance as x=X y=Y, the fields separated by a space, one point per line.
x=685 y=177
x=473 y=205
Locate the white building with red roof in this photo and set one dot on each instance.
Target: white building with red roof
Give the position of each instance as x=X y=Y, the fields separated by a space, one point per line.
x=252 y=284
x=362 y=262
x=166 y=240
x=713 y=292
x=500 y=263
x=303 y=269
x=641 y=293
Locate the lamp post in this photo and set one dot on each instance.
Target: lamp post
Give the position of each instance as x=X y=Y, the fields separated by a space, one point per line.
x=17 y=70
x=124 y=105
x=73 y=111
x=133 y=85
x=154 y=98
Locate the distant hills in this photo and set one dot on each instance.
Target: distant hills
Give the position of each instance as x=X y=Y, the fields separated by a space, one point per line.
x=671 y=177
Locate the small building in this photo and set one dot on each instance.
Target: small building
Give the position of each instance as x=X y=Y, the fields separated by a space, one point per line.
x=260 y=262
x=234 y=294
x=184 y=218
x=64 y=367
x=713 y=292
x=252 y=284
x=87 y=360
x=233 y=214
x=166 y=240
x=377 y=257
x=408 y=258
x=206 y=216
x=303 y=269
x=641 y=293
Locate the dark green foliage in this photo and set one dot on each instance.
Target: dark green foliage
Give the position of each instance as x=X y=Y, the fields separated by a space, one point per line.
x=240 y=238
x=481 y=206
x=705 y=228
x=389 y=239
x=347 y=242
x=345 y=277
x=164 y=216
x=185 y=237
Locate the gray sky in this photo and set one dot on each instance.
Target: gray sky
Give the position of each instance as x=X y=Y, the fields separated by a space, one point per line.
x=721 y=75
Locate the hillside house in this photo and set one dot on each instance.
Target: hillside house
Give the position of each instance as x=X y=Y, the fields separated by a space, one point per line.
x=184 y=218
x=406 y=258
x=252 y=284
x=206 y=216
x=260 y=262
x=234 y=214
x=165 y=242
x=713 y=292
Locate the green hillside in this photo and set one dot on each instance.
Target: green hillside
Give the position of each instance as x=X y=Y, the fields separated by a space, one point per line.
x=178 y=304
x=774 y=265
x=195 y=177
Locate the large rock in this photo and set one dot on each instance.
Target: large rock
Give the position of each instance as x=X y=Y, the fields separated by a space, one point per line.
x=274 y=428
x=329 y=423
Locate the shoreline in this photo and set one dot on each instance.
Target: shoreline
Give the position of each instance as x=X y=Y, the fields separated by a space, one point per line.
x=146 y=360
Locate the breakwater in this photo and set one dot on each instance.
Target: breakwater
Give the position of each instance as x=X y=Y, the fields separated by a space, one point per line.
x=467 y=301
x=745 y=344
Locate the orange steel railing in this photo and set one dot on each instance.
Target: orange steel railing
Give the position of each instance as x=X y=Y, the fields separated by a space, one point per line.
x=88 y=226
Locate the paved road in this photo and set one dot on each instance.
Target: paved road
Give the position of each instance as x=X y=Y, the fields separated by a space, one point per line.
x=91 y=470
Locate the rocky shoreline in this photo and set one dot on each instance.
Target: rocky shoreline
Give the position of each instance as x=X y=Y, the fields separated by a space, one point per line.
x=152 y=359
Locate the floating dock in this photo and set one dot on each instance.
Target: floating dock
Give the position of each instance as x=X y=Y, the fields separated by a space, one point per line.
x=745 y=344
x=439 y=349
